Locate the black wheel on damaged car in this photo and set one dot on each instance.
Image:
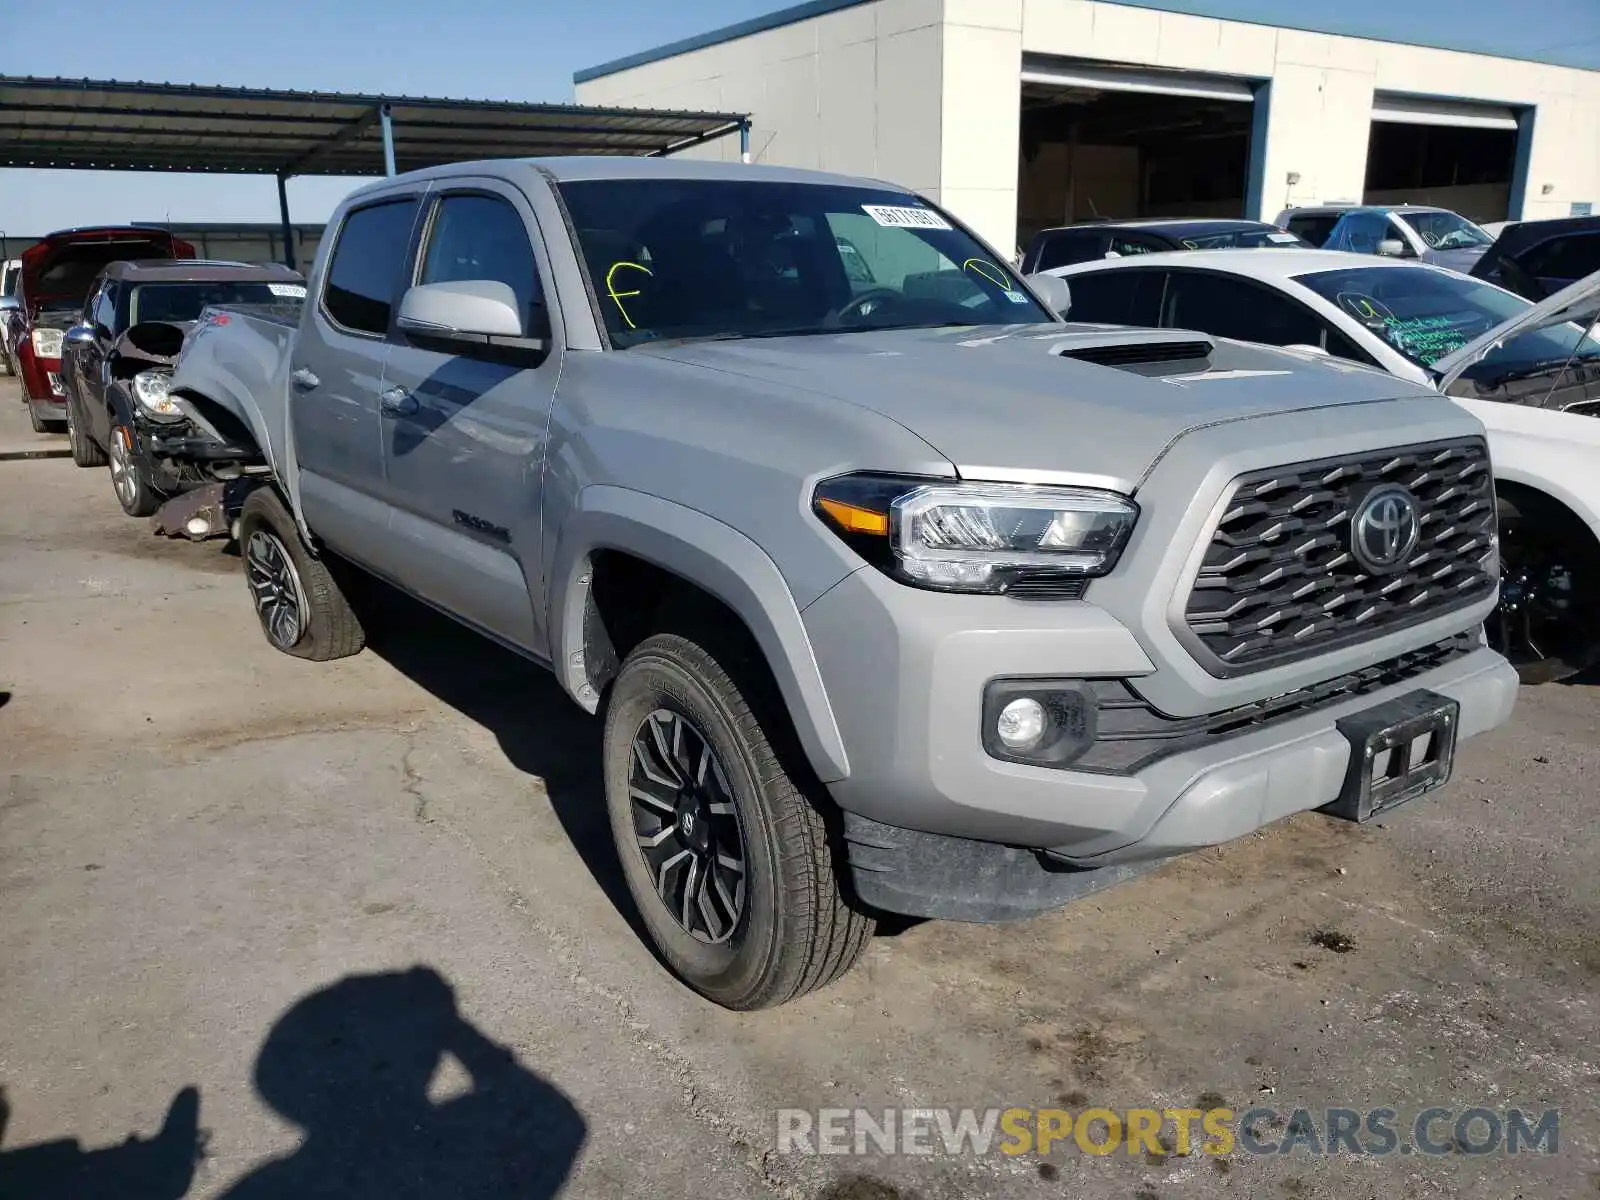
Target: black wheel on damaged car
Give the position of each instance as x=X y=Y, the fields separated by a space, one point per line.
x=86 y=452
x=1548 y=619
x=723 y=843
x=302 y=608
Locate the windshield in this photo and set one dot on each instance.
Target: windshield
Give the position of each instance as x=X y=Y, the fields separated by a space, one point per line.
x=1422 y=313
x=673 y=259
x=1246 y=237
x=8 y=280
x=1445 y=230
x=181 y=302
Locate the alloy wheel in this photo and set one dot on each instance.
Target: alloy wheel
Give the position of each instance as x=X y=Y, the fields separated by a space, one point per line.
x=1539 y=618
x=275 y=588
x=124 y=475
x=687 y=826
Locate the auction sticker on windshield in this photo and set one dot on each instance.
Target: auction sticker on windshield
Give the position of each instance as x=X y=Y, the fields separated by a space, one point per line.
x=295 y=291
x=893 y=216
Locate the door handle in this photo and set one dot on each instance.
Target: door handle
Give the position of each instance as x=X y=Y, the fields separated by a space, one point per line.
x=303 y=379
x=397 y=402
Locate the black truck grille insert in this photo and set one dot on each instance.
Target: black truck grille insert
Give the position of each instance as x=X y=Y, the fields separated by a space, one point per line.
x=1280 y=582
x=1131 y=733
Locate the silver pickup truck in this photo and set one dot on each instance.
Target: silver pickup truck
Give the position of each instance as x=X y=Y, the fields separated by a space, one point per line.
x=896 y=593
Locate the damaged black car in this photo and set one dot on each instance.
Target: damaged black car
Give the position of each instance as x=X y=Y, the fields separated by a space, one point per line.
x=116 y=371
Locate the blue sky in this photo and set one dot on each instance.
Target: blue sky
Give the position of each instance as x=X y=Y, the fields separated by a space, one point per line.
x=505 y=49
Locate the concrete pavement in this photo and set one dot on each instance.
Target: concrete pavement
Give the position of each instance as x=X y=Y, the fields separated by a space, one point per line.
x=367 y=911
x=17 y=438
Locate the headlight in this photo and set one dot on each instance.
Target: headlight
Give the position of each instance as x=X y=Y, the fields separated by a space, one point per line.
x=150 y=390
x=1042 y=542
x=47 y=342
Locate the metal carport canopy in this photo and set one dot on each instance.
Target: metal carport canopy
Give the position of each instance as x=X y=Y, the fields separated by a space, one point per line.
x=107 y=125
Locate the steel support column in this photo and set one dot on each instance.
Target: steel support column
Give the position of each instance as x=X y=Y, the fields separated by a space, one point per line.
x=388 y=140
x=283 y=217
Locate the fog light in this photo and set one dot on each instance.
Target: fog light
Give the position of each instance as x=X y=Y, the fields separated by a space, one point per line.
x=1021 y=724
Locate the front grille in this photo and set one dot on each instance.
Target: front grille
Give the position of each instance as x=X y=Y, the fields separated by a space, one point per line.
x=1130 y=733
x=1279 y=583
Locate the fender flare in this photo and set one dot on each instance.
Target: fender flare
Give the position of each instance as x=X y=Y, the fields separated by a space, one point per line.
x=714 y=557
x=1585 y=507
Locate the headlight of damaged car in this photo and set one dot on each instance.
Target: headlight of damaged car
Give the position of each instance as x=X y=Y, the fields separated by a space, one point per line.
x=150 y=390
x=994 y=538
x=47 y=342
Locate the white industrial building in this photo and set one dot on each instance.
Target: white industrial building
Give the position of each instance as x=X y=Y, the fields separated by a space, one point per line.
x=1018 y=114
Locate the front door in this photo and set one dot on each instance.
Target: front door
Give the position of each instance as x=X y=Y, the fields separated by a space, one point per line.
x=464 y=438
x=336 y=373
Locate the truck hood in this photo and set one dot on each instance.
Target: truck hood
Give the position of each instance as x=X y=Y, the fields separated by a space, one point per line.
x=1575 y=302
x=1012 y=403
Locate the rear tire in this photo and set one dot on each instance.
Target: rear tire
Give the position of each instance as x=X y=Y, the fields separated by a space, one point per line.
x=1548 y=619
x=40 y=425
x=86 y=452
x=777 y=925
x=302 y=609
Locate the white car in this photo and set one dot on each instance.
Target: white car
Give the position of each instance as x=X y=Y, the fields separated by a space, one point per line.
x=1530 y=372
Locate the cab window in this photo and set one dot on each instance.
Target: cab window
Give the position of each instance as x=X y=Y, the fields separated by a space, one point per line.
x=1237 y=308
x=366 y=266
x=1126 y=297
x=483 y=237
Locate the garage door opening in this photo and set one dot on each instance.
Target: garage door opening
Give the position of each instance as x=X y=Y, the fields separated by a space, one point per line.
x=1457 y=156
x=1110 y=142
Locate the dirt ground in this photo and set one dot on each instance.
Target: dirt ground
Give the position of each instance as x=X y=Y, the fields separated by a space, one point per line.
x=355 y=929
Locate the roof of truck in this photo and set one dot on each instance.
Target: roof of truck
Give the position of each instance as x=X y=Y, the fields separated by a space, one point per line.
x=573 y=169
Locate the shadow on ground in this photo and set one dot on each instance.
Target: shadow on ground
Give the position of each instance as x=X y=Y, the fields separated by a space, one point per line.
x=542 y=732
x=350 y=1067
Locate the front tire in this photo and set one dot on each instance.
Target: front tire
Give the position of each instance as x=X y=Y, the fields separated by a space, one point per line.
x=1548 y=620
x=302 y=609
x=128 y=478
x=727 y=857
x=86 y=452
x=40 y=425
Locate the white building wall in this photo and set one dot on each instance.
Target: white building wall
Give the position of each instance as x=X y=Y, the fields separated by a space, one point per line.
x=925 y=93
x=857 y=91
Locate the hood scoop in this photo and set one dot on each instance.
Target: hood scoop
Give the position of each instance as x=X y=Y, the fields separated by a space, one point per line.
x=1141 y=351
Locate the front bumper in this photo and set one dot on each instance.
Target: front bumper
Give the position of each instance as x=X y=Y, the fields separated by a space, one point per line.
x=907 y=692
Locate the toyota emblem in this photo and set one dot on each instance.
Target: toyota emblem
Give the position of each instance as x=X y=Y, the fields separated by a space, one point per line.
x=1385 y=528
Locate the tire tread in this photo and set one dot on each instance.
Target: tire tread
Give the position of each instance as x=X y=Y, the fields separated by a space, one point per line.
x=826 y=934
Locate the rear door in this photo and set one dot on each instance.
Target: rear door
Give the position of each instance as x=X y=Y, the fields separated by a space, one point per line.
x=336 y=373
x=464 y=437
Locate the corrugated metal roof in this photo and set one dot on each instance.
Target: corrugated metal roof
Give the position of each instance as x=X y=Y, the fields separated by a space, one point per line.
x=117 y=125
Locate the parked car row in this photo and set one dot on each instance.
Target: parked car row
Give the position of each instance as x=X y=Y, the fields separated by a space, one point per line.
x=894 y=592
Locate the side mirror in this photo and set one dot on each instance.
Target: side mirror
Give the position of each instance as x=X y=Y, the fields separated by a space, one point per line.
x=478 y=318
x=1392 y=248
x=1055 y=291
x=81 y=335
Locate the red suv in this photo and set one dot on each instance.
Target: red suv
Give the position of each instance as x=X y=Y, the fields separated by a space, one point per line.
x=57 y=274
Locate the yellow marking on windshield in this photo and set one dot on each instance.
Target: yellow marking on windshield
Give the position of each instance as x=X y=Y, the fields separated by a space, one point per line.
x=618 y=297
x=989 y=271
